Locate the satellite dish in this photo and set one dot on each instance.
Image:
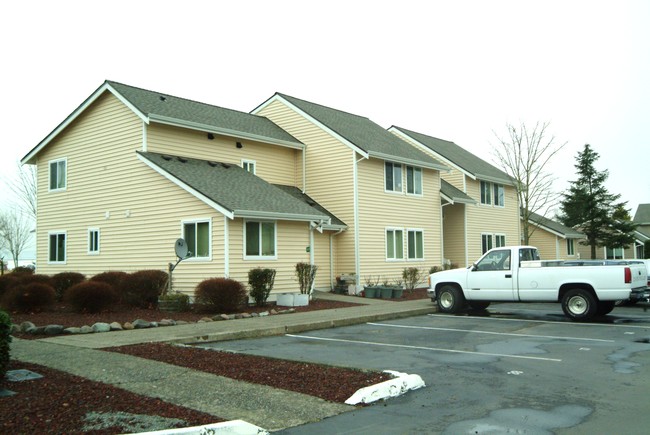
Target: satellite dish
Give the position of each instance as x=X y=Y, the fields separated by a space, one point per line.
x=181 y=248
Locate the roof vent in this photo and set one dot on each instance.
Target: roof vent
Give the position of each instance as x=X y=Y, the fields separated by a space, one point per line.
x=225 y=165
x=311 y=202
x=163 y=98
x=181 y=159
x=164 y=157
x=213 y=164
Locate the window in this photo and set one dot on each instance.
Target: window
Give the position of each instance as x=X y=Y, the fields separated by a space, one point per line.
x=413 y=180
x=248 y=165
x=393 y=175
x=614 y=254
x=499 y=240
x=486 y=243
x=93 y=241
x=58 y=174
x=499 y=195
x=570 y=250
x=56 y=247
x=259 y=240
x=486 y=193
x=197 y=236
x=394 y=244
x=415 y=245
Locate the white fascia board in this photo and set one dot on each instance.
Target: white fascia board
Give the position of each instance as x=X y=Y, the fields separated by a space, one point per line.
x=313 y=120
x=449 y=199
x=254 y=214
x=495 y=179
x=228 y=213
x=409 y=162
x=222 y=131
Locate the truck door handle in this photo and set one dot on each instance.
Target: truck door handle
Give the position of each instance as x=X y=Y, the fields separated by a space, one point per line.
x=508 y=275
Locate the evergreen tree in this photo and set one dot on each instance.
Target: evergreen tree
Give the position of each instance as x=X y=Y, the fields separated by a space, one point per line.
x=589 y=207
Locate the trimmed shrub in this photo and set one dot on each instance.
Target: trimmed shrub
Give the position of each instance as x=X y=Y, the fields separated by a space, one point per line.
x=7 y=282
x=220 y=295
x=261 y=282
x=112 y=278
x=28 y=270
x=34 y=278
x=91 y=296
x=305 y=273
x=5 y=339
x=29 y=298
x=64 y=280
x=141 y=289
x=411 y=276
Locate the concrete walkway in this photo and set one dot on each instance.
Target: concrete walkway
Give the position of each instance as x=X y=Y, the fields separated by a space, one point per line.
x=267 y=407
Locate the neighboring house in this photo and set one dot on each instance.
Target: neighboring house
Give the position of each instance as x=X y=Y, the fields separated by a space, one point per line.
x=642 y=219
x=384 y=189
x=480 y=206
x=130 y=171
x=554 y=240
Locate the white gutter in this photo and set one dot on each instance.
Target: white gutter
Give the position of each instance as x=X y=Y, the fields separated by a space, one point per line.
x=254 y=214
x=407 y=161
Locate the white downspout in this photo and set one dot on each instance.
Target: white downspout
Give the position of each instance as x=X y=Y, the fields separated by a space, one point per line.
x=304 y=170
x=144 y=137
x=226 y=247
x=357 y=265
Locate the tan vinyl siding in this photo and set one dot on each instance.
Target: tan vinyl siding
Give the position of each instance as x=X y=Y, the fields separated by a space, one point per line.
x=454 y=234
x=273 y=163
x=456 y=178
x=379 y=210
x=329 y=169
x=550 y=247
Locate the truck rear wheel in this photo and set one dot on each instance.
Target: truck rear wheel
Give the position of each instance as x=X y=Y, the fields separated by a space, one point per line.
x=478 y=305
x=579 y=304
x=605 y=307
x=450 y=299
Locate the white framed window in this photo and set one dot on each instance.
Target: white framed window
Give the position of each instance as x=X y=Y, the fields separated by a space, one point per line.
x=614 y=254
x=93 y=241
x=198 y=236
x=393 y=177
x=499 y=240
x=394 y=244
x=415 y=244
x=570 y=248
x=58 y=174
x=499 y=195
x=486 y=243
x=57 y=247
x=413 y=180
x=249 y=165
x=260 y=241
x=486 y=193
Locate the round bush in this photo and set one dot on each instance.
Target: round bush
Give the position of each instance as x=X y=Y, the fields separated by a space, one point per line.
x=141 y=289
x=64 y=280
x=29 y=298
x=34 y=278
x=221 y=295
x=91 y=296
x=7 y=282
x=5 y=339
x=114 y=279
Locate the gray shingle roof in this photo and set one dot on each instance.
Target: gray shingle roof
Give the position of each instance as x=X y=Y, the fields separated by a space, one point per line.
x=556 y=227
x=642 y=215
x=460 y=157
x=365 y=134
x=236 y=190
x=242 y=124
x=455 y=194
x=297 y=193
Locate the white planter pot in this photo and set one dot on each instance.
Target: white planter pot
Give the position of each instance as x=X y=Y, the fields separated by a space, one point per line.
x=292 y=300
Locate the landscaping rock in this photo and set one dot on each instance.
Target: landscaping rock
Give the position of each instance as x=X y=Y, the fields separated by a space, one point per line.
x=15 y=328
x=182 y=322
x=166 y=322
x=86 y=329
x=26 y=325
x=115 y=326
x=255 y=315
x=205 y=320
x=245 y=316
x=72 y=330
x=36 y=330
x=101 y=327
x=141 y=324
x=53 y=329
x=223 y=317
x=264 y=314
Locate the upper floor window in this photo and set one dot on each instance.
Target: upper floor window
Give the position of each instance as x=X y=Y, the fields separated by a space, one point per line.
x=259 y=240
x=197 y=236
x=492 y=194
x=58 y=176
x=413 y=180
x=248 y=165
x=486 y=193
x=56 y=248
x=499 y=195
x=393 y=176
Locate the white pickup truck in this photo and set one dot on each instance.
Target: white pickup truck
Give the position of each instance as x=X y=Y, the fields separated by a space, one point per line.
x=516 y=274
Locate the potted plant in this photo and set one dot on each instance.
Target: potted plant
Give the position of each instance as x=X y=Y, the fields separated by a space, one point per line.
x=386 y=291
x=398 y=290
x=370 y=289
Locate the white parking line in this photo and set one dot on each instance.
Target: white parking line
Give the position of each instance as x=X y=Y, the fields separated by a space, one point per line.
x=434 y=349
x=473 y=331
x=444 y=316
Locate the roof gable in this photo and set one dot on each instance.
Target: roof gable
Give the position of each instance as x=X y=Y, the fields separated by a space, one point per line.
x=642 y=215
x=362 y=134
x=231 y=190
x=554 y=227
x=467 y=162
x=454 y=195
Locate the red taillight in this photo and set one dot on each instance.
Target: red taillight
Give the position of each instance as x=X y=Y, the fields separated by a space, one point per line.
x=628 y=275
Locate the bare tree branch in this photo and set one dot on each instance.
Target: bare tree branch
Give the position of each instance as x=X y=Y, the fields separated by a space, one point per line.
x=524 y=155
x=24 y=187
x=15 y=230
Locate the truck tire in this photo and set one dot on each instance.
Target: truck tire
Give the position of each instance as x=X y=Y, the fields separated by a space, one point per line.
x=605 y=307
x=450 y=299
x=579 y=304
x=478 y=305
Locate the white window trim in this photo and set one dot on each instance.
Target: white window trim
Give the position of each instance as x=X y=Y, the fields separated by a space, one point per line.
x=394 y=192
x=65 y=246
x=386 y=230
x=494 y=240
x=196 y=221
x=406 y=179
x=491 y=235
x=570 y=247
x=248 y=161
x=407 y=230
x=494 y=199
x=49 y=175
x=99 y=238
x=275 y=240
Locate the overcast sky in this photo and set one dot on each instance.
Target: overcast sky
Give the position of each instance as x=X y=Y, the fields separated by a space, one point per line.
x=457 y=70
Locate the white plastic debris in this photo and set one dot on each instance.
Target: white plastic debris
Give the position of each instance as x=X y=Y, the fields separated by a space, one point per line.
x=400 y=384
x=235 y=427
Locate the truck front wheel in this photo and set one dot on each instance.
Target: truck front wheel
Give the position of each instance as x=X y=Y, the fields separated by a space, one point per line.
x=579 y=304
x=450 y=299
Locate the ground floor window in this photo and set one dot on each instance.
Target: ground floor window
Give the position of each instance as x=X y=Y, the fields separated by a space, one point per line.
x=197 y=236
x=614 y=254
x=394 y=244
x=260 y=240
x=93 y=241
x=415 y=245
x=486 y=243
x=570 y=249
x=57 y=247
